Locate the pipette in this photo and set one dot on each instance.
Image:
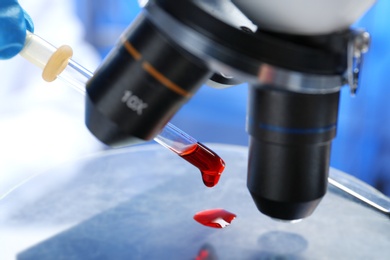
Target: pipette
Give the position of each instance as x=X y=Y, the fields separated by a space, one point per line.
x=58 y=63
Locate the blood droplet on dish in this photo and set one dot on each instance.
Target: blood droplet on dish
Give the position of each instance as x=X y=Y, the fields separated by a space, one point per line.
x=206 y=252
x=203 y=255
x=208 y=162
x=215 y=218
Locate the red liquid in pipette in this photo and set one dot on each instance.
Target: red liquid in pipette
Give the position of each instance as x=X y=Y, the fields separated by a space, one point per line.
x=216 y=218
x=209 y=163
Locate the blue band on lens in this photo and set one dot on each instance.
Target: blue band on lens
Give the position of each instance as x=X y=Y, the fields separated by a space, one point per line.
x=286 y=130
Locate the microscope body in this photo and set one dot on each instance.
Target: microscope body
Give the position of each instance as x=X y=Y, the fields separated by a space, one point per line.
x=295 y=72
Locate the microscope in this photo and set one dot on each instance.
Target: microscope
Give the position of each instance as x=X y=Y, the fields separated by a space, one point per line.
x=295 y=56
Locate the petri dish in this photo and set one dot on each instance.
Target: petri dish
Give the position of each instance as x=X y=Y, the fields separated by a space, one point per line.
x=139 y=203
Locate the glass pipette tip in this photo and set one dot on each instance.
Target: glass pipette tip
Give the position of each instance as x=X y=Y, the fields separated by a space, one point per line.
x=58 y=63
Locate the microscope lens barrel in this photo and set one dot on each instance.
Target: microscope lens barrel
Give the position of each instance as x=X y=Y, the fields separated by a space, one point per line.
x=290 y=141
x=140 y=86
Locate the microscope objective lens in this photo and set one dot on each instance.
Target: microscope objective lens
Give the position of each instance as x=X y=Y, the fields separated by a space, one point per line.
x=209 y=163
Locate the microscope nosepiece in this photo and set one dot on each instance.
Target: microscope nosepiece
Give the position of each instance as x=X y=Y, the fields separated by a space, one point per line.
x=290 y=141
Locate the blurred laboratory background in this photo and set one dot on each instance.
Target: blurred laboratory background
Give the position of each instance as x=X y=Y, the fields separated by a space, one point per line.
x=42 y=124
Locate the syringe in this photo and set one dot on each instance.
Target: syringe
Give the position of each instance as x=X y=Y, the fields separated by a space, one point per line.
x=58 y=63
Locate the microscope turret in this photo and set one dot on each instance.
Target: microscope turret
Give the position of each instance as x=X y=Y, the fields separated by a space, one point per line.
x=295 y=55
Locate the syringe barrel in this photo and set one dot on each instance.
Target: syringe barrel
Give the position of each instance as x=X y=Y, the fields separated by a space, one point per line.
x=36 y=50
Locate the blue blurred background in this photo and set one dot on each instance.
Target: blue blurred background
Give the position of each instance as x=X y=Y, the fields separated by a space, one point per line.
x=362 y=146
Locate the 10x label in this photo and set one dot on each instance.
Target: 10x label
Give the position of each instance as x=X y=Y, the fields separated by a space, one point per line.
x=133 y=102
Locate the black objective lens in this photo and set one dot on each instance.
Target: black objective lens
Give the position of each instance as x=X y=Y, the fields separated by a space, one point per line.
x=290 y=140
x=140 y=86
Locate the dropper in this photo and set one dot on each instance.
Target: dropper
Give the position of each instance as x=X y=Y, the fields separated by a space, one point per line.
x=57 y=63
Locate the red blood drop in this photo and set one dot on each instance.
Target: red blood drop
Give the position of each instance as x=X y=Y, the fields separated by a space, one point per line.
x=203 y=255
x=216 y=218
x=208 y=162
